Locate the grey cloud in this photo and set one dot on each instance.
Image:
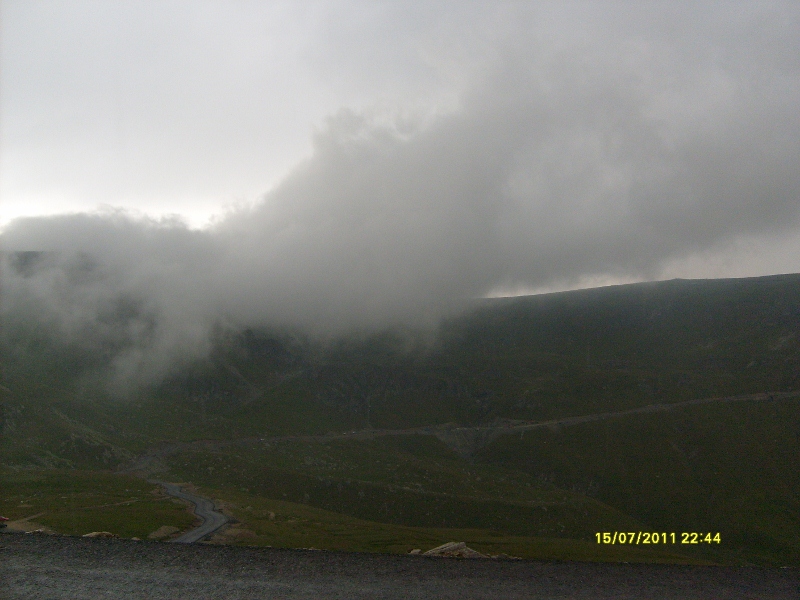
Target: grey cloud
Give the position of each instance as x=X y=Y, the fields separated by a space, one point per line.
x=128 y=292
x=562 y=161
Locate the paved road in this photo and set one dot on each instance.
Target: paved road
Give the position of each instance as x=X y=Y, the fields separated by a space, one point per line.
x=39 y=567
x=203 y=508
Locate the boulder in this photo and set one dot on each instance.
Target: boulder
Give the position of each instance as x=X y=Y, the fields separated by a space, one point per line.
x=100 y=534
x=455 y=550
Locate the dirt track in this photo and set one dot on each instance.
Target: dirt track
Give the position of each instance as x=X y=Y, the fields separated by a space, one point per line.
x=39 y=567
x=463 y=439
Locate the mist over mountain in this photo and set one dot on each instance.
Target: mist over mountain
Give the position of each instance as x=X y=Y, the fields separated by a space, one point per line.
x=376 y=276
x=611 y=154
x=657 y=406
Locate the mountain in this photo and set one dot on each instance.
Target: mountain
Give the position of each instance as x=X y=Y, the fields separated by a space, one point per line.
x=415 y=431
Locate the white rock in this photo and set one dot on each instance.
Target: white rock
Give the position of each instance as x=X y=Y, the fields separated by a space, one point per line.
x=456 y=550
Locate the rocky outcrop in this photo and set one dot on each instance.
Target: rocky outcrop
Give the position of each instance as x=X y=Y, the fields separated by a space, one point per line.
x=455 y=550
x=460 y=550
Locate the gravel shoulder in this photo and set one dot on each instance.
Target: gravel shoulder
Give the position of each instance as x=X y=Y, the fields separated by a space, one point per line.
x=38 y=567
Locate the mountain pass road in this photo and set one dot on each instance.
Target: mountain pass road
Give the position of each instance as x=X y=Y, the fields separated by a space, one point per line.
x=203 y=508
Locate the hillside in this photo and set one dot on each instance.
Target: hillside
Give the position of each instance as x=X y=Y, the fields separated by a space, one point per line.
x=442 y=442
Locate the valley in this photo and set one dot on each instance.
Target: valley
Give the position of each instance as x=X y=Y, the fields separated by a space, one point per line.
x=525 y=427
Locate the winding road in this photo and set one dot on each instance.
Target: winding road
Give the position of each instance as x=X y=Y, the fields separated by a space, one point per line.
x=449 y=433
x=458 y=437
x=203 y=508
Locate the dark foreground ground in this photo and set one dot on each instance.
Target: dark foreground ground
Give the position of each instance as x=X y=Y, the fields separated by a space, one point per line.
x=42 y=566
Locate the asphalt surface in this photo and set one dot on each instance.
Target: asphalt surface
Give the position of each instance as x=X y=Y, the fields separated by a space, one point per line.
x=42 y=567
x=203 y=508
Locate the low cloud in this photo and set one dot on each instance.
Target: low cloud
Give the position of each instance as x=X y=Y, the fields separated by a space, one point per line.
x=559 y=164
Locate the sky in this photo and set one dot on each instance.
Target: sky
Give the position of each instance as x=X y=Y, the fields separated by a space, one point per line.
x=357 y=165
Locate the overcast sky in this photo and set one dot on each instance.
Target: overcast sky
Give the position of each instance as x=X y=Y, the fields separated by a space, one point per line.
x=186 y=107
x=339 y=164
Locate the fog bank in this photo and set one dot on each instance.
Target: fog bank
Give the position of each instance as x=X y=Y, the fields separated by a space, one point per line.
x=611 y=156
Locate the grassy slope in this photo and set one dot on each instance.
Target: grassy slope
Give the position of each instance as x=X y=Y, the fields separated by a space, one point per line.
x=379 y=482
x=529 y=358
x=729 y=467
x=279 y=523
x=78 y=502
x=48 y=428
x=614 y=348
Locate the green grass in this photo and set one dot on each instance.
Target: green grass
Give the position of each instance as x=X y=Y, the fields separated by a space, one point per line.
x=78 y=502
x=733 y=468
x=276 y=523
x=404 y=482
